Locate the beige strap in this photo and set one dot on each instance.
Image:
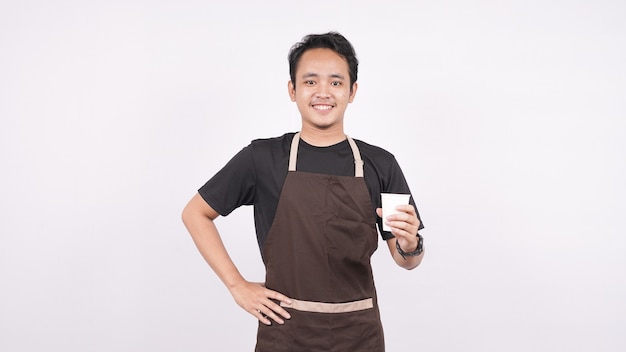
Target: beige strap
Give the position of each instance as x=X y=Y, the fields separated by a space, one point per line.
x=293 y=154
x=319 y=307
x=358 y=162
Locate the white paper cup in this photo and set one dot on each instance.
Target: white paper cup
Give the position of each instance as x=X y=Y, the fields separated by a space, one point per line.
x=390 y=202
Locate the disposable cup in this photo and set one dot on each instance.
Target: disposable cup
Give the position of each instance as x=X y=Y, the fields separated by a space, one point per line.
x=390 y=201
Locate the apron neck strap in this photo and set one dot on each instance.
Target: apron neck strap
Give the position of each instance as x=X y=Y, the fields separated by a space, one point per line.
x=358 y=162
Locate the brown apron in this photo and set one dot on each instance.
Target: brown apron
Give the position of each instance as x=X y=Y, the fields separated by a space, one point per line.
x=318 y=253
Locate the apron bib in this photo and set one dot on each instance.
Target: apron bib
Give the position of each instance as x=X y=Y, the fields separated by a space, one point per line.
x=318 y=253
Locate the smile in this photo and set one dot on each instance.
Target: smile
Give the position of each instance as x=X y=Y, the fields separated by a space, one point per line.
x=322 y=107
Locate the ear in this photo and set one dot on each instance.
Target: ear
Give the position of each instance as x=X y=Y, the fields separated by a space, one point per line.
x=353 y=92
x=292 y=90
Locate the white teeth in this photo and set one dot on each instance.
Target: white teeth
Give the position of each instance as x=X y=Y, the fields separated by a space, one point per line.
x=323 y=107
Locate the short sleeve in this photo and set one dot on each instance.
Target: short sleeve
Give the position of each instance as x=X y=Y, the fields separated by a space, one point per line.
x=232 y=186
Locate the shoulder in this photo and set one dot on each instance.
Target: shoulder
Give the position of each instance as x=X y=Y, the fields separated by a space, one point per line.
x=269 y=153
x=380 y=165
x=272 y=144
x=374 y=153
x=261 y=151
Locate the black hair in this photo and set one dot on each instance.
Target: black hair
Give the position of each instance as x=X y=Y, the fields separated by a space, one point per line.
x=331 y=40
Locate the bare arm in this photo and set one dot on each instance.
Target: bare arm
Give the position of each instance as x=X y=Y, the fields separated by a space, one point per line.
x=199 y=218
x=404 y=227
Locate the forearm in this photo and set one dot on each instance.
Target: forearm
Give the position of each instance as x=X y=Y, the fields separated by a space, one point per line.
x=199 y=222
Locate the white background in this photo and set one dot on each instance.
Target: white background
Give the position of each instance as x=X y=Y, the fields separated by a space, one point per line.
x=508 y=117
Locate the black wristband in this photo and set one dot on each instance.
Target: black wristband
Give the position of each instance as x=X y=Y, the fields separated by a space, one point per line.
x=416 y=252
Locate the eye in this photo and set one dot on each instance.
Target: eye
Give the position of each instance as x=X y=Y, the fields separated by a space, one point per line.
x=309 y=82
x=336 y=83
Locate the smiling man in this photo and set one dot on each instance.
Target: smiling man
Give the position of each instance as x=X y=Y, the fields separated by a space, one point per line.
x=316 y=197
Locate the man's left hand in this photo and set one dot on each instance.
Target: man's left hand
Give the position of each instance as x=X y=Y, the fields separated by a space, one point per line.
x=404 y=226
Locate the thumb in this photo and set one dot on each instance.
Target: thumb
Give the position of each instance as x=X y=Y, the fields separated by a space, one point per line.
x=379 y=211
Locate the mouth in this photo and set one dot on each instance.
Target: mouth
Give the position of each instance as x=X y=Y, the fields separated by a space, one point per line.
x=322 y=107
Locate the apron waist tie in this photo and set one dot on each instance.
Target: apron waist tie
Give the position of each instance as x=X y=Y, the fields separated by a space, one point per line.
x=319 y=307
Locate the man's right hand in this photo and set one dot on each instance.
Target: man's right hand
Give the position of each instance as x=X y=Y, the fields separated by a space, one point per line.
x=257 y=300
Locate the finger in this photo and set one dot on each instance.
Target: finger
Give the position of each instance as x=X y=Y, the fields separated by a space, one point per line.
x=406 y=208
x=278 y=296
x=402 y=220
x=276 y=307
x=268 y=314
x=379 y=212
x=262 y=317
x=403 y=228
x=408 y=216
x=268 y=310
x=400 y=230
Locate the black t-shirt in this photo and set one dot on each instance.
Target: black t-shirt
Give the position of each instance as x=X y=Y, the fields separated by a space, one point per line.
x=256 y=174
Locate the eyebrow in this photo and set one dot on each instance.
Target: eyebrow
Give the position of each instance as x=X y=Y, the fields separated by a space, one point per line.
x=332 y=75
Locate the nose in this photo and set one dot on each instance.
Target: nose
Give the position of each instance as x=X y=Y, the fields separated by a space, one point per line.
x=322 y=91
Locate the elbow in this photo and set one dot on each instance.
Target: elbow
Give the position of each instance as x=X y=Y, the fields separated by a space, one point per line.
x=184 y=216
x=187 y=215
x=197 y=211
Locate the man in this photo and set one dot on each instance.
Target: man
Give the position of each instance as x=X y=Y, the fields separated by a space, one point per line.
x=316 y=197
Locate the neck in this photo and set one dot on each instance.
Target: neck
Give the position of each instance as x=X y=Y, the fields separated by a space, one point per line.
x=322 y=138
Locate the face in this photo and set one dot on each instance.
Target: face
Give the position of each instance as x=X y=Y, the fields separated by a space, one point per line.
x=322 y=89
